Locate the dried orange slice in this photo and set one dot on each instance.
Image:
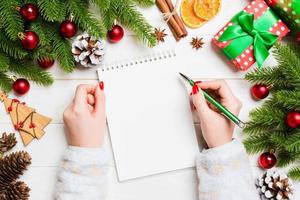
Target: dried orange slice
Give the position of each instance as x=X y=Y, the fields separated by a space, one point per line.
x=207 y=9
x=188 y=15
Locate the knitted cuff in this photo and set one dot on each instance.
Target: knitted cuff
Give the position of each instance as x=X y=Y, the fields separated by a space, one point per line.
x=221 y=154
x=86 y=156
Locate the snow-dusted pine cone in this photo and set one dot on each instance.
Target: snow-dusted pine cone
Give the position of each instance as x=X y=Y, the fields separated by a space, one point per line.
x=87 y=50
x=274 y=185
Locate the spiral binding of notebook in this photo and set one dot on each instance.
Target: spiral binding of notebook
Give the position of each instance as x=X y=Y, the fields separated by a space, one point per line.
x=139 y=60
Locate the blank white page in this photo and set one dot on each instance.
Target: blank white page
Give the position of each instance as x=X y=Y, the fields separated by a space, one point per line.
x=149 y=116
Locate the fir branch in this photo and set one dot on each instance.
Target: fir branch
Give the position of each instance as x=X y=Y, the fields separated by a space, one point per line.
x=278 y=138
x=287 y=99
x=265 y=118
x=130 y=17
x=54 y=10
x=284 y=55
x=292 y=143
x=37 y=27
x=256 y=144
x=145 y=3
x=268 y=76
x=294 y=173
x=4 y=62
x=108 y=16
x=285 y=157
x=11 y=17
x=5 y=82
x=62 y=51
x=28 y=70
x=6 y=45
x=289 y=63
x=102 y=4
x=84 y=19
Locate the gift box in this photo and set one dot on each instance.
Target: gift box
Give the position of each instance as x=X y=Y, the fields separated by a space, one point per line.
x=289 y=12
x=250 y=34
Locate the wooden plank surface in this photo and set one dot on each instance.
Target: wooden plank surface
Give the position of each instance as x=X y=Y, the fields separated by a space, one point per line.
x=207 y=63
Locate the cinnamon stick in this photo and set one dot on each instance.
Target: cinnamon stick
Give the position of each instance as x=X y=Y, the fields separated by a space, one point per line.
x=176 y=17
x=175 y=28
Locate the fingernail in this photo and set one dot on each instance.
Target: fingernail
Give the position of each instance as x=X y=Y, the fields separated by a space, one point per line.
x=195 y=89
x=197 y=82
x=101 y=85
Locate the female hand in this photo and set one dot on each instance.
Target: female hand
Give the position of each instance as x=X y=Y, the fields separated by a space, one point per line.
x=216 y=128
x=85 y=118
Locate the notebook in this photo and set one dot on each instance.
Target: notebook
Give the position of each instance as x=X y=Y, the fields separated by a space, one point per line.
x=149 y=116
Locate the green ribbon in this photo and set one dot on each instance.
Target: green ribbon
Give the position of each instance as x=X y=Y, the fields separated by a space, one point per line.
x=247 y=31
x=296 y=6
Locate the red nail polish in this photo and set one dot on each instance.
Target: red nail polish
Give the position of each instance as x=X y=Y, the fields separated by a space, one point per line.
x=197 y=82
x=195 y=89
x=101 y=85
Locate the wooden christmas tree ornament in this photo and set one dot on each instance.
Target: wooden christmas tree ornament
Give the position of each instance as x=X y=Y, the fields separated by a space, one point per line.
x=29 y=123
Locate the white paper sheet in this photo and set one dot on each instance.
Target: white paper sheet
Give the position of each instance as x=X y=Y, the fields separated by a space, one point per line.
x=149 y=116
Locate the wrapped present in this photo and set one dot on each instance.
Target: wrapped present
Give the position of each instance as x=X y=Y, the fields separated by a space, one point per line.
x=250 y=34
x=289 y=12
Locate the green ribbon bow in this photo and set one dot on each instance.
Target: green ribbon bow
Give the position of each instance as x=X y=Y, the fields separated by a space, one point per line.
x=296 y=6
x=245 y=32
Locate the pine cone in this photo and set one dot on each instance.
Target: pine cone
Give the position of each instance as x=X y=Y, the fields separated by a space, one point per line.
x=274 y=185
x=16 y=191
x=87 y=50
x=12 y=166
x=7 y=142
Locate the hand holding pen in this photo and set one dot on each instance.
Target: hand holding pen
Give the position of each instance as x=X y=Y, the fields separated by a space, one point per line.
x=216 y=128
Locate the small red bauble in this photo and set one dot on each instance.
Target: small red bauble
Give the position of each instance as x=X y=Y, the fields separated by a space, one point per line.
x=29 y=12
x=267 y=160
x=21 y=86
x=260 y=91
x=68 y=29
x=115 y=34
x=46 y=63
x=293 y=119
x=30 y=40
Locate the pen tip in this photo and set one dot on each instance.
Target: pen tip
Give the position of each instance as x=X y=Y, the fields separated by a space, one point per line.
x=184 y=76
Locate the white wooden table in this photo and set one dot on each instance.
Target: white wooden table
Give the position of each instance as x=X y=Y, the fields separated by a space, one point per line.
x=178 y=185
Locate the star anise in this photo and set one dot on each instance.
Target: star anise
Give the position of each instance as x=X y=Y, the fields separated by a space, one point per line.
x=197 y=43
x=159 y=34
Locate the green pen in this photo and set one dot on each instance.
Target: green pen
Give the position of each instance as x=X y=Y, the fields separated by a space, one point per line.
x=219 y=106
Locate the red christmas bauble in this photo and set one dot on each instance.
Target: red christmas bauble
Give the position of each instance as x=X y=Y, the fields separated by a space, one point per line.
x=259 y=91
x=68 y=29
x=293 y=119
x=267 y=160
x=115 y=34
x=30 y=40
x=21 y=86
x=29 y=12
x=46 y=63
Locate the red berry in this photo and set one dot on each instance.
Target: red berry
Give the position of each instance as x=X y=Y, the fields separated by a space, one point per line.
x=115 y=34
x=29 y=12
x=293 y=119
x=21 y=86
x=260 y=91
x=68 y=29
x=267 y=160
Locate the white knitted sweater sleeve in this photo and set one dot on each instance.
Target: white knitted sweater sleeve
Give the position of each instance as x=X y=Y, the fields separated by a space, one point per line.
x=225 y=173
x=82 y=174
